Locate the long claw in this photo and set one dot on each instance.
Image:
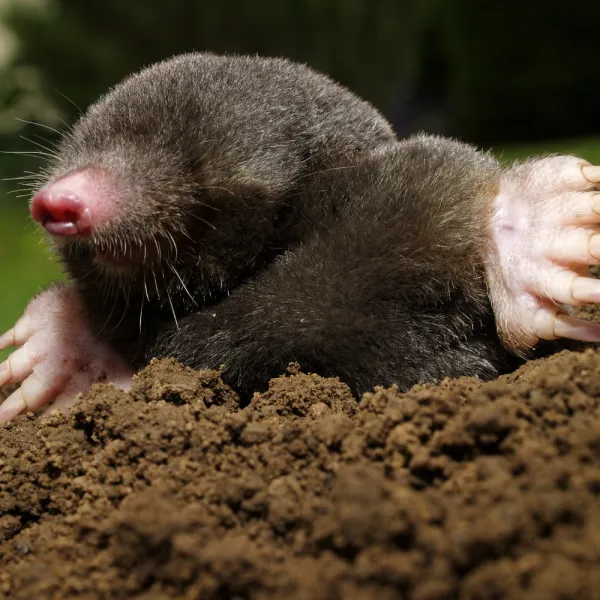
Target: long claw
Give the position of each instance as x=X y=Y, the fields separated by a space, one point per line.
x=582 y=209
x=576 y=329
x=585 y=289
x=568 y=288
x=575 y=245
x=591 y=173
x=550 y=325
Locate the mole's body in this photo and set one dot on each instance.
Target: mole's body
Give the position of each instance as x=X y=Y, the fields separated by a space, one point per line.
x=244 y=213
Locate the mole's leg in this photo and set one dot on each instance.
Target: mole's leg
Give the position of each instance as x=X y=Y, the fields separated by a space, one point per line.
x=57 y=356
x=545 y=237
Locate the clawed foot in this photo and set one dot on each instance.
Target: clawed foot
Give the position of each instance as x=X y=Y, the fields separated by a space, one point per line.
x=57 y=356
x=545 y=233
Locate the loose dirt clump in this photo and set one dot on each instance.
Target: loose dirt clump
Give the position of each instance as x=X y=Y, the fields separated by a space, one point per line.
x=463 y=490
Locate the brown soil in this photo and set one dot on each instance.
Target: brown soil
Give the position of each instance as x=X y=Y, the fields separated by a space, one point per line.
x=463 y=490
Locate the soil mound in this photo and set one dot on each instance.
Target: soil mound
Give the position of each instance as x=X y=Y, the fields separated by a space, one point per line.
x=463 y=490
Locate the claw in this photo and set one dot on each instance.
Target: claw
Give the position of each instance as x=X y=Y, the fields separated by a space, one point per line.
x=585 y=289
x=569 y=288
x=575 y=245
x=576 y=329
x=550 y=324
x=582 y=208
x=591 y=173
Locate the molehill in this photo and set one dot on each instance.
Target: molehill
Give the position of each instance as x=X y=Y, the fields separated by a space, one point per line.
x=459 y=490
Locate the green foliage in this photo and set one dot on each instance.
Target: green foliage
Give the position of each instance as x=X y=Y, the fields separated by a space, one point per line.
x=588 y=148
x=26 y=265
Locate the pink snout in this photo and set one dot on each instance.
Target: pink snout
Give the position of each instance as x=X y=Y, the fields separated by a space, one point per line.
x=78 y=203
x=61 y=213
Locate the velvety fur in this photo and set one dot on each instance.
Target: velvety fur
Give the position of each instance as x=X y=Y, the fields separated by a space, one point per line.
x=387 y=288
x=283 y=222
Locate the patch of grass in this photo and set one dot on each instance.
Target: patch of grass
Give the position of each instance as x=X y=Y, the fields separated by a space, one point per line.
x=26 y=265
x=586 y=148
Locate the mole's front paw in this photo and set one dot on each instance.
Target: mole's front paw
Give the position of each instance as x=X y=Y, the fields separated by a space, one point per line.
x=57 y=356
x=545 y=237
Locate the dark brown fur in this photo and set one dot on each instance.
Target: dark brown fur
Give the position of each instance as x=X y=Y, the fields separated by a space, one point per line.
x=283 y=222
x=388 y=287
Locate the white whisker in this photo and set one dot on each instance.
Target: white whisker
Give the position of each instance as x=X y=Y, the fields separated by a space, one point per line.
x=38 y=124
x=182 y=283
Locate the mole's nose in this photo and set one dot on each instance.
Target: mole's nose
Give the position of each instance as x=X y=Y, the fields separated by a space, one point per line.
x=61 y=213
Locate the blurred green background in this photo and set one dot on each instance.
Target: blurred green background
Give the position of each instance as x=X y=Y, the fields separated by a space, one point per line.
x=516 y=76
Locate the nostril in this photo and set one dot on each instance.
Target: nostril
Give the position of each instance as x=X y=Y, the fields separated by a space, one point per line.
x=60 y=213
x=60 y=216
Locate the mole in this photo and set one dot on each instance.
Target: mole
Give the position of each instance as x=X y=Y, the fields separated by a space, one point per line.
x=244 y=213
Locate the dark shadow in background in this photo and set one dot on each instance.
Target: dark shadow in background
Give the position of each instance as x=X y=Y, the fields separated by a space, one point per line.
x=486 y=71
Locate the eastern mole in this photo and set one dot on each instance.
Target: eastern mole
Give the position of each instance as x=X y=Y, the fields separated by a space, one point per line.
x=242 y=213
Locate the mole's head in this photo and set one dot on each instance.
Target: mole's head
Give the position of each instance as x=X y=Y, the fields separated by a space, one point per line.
x=190 y=163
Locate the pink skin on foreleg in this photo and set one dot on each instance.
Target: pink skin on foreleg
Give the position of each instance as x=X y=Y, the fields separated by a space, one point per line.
x=57 y=357
x=545 y=237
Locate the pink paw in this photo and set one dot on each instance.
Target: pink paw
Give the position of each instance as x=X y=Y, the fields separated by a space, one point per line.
x=57 y=356
x=545 y=234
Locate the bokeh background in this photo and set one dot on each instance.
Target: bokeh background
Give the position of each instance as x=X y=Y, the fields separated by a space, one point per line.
x=517 y=76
